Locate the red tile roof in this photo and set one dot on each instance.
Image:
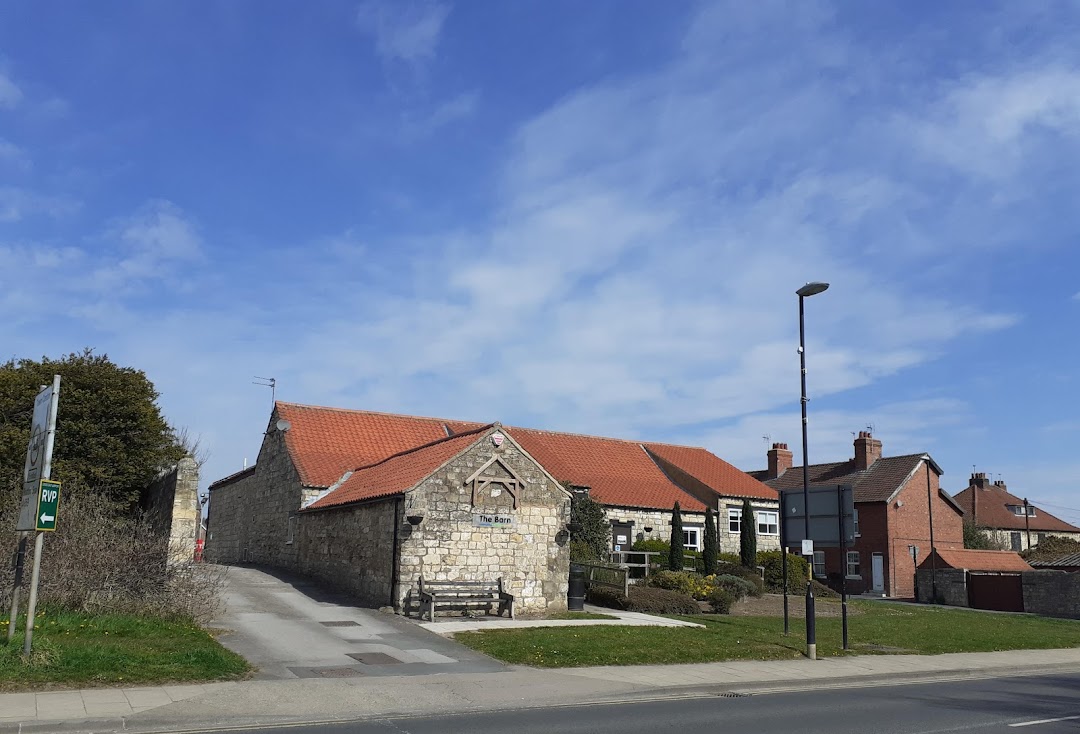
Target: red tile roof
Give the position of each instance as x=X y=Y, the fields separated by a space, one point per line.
x=993 y=511
x=978 y=560
x=327 y=442
x=710 y=469
x=399 y=472
x=618 y=472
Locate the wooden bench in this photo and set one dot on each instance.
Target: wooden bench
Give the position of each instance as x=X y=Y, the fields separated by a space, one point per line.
x=460 y=593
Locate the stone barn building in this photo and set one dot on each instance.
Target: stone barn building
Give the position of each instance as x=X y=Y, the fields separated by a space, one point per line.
x=370 y=501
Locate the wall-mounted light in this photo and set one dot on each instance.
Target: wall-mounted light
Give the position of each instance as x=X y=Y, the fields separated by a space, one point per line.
x=414 y=520
x=648 y=529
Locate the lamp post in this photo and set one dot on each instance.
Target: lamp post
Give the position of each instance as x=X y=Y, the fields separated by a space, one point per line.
x=810 y=289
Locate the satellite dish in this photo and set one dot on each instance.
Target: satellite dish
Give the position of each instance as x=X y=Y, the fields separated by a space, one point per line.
x=283 y=425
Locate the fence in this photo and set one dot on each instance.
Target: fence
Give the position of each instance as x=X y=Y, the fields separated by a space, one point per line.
x=636 y=562
x=608 y=576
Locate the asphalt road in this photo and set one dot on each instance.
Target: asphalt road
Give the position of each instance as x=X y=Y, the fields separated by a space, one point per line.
x=1000 y=706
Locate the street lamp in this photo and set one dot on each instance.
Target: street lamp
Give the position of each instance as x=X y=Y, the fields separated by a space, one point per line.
x=810 y=289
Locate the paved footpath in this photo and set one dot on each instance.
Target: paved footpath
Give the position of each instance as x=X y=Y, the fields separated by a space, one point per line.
x=304 y=700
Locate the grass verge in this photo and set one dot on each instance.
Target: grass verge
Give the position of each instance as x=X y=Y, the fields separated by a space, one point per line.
x=74 y=650
x=881 y=629
x=580 y=615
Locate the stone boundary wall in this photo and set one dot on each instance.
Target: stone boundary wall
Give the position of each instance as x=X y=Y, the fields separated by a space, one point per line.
x=951 y=586
x=1052 y=593
x=171 y=505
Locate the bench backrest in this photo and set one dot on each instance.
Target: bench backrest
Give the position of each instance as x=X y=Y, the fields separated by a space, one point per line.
x=460 y=587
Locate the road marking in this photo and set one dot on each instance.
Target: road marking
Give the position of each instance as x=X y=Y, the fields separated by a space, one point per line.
x=1045 y=721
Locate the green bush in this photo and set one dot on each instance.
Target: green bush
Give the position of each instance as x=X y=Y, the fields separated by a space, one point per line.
x=798 y=571
x=650 y=545
x=722 y=600
x=691 y=559
x=750 y=575
x=610 y=598
x=685 y=582
x=738 y=586
x=821 y=591
x=731 y=558
x=650 y=600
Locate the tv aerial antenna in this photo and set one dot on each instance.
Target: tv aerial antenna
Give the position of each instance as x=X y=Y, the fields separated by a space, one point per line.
x=271 y=383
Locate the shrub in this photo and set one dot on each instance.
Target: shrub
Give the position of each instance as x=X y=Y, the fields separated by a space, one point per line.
x=651 y=545
x=798 y=571
x=731 y=558
x=749 y=575
x=748 y=536
x=610 y=598
x=721 y=600
x=709 y=551
x=104 y=560
x=661 y=601
x=592 y=538
x=676 y=548
x=738 y=586
x=821 y=591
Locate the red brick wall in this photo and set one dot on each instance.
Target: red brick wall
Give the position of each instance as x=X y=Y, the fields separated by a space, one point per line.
x=873 y=537
x=909 y=525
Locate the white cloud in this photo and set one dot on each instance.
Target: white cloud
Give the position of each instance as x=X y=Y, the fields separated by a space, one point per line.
x=403 y=30
x=10 y=94
x=13 y=155
x=18 y=203
x=458 y=108
x=1076 y=296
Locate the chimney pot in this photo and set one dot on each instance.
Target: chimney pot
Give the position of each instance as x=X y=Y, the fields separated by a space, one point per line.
x=779 y=460
x=867 y=451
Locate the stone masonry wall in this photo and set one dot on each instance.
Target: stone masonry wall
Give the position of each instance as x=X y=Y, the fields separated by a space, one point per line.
x=172 y=506
x=532 y=557
x=351 y=548
x=660 y=522
x=951 y=586
x=1052 y=593
x=224 y=534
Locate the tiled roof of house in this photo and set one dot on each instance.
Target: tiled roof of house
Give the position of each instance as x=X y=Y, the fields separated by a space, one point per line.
x=1070 y=561
x=710 y=469
x=993 y=511
x=877 y=483
x=617 y=472
x=977 y=560
x=399 y=472
x=324 y=443
x=327 y=442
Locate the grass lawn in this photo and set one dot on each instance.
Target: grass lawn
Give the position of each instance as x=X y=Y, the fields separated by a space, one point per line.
x=880 y=628
x=581 y=615
x=80 y=650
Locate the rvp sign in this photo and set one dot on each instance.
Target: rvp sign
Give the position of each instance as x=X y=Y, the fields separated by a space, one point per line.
x=47 y=505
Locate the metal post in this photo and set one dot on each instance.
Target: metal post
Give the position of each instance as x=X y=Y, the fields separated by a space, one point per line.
x=843 y=560
x=783 y=562
x=16 y=587
x=31 y=608
x=811 y=628
x=1027 y=522
x=933 y=553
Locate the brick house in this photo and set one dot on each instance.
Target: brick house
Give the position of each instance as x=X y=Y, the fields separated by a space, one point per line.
x=332 y=493
x=894 y=497
x=1006 y=519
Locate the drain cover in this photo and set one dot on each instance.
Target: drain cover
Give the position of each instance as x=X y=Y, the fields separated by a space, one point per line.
x=732 y=694
x=374 y=658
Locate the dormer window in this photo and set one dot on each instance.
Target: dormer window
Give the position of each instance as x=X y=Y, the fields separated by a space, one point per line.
x=1019 y=510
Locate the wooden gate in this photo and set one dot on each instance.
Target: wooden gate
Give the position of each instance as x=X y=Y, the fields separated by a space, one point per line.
x=1003 y=592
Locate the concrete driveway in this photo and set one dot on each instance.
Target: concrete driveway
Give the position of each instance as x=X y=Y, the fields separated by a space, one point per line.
x=290 y=627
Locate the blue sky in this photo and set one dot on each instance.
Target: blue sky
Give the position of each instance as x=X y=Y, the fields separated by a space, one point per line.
x=579 y=216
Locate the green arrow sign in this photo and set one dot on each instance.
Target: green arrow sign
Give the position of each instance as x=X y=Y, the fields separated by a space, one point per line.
x=47 y=505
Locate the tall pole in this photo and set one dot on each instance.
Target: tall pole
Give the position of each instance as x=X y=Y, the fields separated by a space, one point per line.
x=1027 y=522
x=811 y=622
x=783 y=562
x=840 y=494
x=933 y=552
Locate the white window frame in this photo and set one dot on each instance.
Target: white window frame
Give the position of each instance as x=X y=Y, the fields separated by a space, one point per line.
x=697 y=533
x=734 y=517
x=775 y=515
x=855 y=519
x=819 y=565
x=856 y=565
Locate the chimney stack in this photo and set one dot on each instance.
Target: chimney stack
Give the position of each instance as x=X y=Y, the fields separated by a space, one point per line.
x=779 y=460
x=978 y=479
x=867 y=451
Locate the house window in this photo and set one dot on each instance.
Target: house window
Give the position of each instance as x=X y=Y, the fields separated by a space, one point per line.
x=1014 y=541
x=734 y=520
x=691 y=538
x=768 y=523
x=1019 y=510
x=819 y=564
x=290 y=530
x=855 y=518
x=853 y=570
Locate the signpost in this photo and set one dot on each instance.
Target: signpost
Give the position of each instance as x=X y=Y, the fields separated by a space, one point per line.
x=832 y=525
x=38 y=494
